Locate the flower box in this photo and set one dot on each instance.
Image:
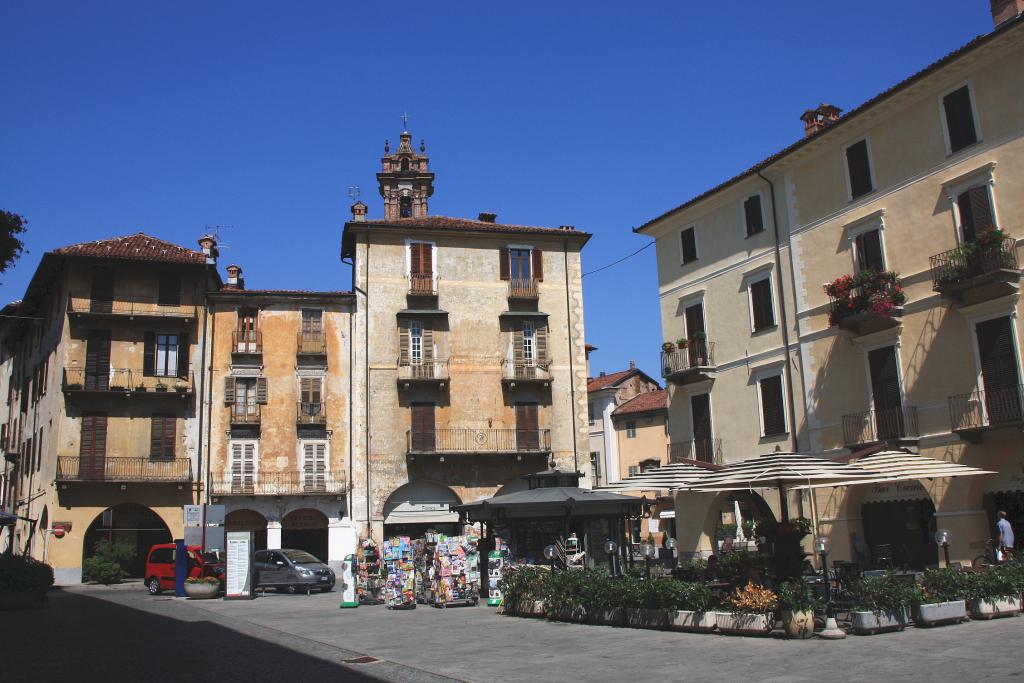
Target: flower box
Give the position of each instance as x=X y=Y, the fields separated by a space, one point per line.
x=744 y=623
x=615 y=616
x=867 y=623
x=1005 y=606
x=937 y=613
x=700 y=622
x=646 y=618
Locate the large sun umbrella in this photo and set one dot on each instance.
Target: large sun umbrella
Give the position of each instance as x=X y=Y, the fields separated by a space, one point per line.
x=674 y=476
x=905 y=466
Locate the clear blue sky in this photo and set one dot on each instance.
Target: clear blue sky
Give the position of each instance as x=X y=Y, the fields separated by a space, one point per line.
x=165 y=117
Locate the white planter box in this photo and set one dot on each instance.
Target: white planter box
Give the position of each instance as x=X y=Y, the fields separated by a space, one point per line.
x=615 y=616
x=744 y=623
x=646 y=618
x=868 y=622
x=528 y=608
x=682 y=620
x=936 y=613
x=1006 y=606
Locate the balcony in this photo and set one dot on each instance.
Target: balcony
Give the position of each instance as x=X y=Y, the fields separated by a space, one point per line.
x=468 y=440
x=245 y=414
x=525 y=373
x=281 y=484
x=695 y=363
x=311 y=414
x=895 y=426
x=422 y=284
x=701 y=450
x=523 y=288
x=124 y=470
x=130 y=308
x=866 y=302
x=246 y=345
x=977 y=271
x=311 y=344
x=429 y=372
x=974 y=413
x=125 y=382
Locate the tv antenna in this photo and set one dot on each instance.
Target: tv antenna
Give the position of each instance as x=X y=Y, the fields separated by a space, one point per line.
x=354 y=192
x=214 y=230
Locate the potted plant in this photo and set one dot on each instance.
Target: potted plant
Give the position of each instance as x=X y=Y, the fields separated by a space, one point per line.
x=73 y=386
x=882 y=603
x=647 y=602
x=563 y=595
x=699 y=335
x=748 y=526
x=995 y=593
x=797 y=605
x=23 y=581
x=668 y=347
x=523 y=590
x=682 y=342
x=180 y=388
x=140 y=387
x=693 y=608
x=943 y=597
x=604 y=597
x=160 y=386
x=202 y=588
x=752 y=611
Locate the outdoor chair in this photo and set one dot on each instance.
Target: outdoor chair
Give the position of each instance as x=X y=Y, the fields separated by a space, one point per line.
x=882 y=556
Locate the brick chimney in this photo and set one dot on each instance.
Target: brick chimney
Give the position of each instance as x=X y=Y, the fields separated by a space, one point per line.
x=1005 y=10
x=818 y=119
x=208 y=243
x=485 y=217
x=359 y=212
x=632 y=365
x=235 y=280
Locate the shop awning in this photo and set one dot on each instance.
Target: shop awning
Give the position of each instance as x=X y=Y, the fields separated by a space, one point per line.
x=668 y=477
x=894 y=466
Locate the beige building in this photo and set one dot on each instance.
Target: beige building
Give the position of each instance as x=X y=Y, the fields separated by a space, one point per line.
x=469 y=368
x=905 y=208
x=605 y=394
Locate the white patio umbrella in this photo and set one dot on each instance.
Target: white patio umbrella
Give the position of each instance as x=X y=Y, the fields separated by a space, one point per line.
x=739 y=521
x=673 y=476
x=893 y=465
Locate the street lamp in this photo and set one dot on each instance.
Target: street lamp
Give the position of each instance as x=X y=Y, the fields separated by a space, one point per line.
x=822 y=545
x=549 y=555
x=670 y=544
x=943 y=537
x=612 y=548
x=648 y=551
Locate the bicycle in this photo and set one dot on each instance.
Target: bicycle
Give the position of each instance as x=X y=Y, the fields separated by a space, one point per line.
x=988 y=559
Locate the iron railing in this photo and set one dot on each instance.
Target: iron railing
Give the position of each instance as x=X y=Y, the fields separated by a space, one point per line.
x=245 y=413
x=469 y=440
x=314 y=482
x=986 y=408
x=123 y=469
x=425 y=370
x=700 y=353
x=704 y=450
x=422 y=284
x=523 y=288
x=865 y=295
x=308 y=413
x=871 y=426
x=525 y=371
x=130 y=307
x=970 y=260
x=311 y=343
x=123 y=380
x=246 y=341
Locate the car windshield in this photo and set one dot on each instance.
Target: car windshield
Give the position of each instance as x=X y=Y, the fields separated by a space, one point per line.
x=300 y=557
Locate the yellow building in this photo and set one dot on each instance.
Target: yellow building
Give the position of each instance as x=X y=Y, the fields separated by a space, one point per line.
x=859 y=288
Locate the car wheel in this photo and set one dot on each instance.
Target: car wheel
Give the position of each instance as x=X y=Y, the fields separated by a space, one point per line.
x=291 y=589
x=327 y=589
x=153 y=585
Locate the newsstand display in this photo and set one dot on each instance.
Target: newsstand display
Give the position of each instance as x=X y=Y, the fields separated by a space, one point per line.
x=400 y=588
x=456 y=573
x=496 y=560
x=369 y=584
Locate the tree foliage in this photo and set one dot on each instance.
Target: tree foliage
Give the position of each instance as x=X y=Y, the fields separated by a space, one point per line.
x=11 y=225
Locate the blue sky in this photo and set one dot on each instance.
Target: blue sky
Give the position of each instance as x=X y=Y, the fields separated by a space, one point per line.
x=166 y=117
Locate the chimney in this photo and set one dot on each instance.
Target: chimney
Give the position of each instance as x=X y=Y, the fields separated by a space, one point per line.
x=602 y=374
x=359 y=212
x=235 y=280
x=208 y=243
x=485 y=217
x=1006 y=10
x=632 y=365
x=818 y=119
x=570 y=228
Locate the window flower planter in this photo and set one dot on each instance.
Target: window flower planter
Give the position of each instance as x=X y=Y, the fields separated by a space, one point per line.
x=1005 y=606
x=698 y=622
x=646 y=618
x=938 y=613
x=744 y=623
x=868 y=623
x=865 y=300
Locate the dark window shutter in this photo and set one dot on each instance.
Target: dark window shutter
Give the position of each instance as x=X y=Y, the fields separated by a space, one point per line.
x=229 y=390
x=403 y=342
x=503 y=263
x=869 y=251
x=169 y=293
x=423 y=430
x=688 y=239
x=261 y=390
x=540 y=336
x=981 y=209
x=752 y=211
x=427 y=343
x=183 y=354
x=162 y=436
x=102 y=294
x=700 y=411
x=97 y=362
x=538 y=264
x=859 y=167
x=773 y=413
x=426 y=258
x=149 y=354
x=761 y=298
x=694 y=316
x=527 y=431
x=959 y=119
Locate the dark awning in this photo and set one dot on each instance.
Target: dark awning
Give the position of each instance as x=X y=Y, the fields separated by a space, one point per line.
x=554 y=502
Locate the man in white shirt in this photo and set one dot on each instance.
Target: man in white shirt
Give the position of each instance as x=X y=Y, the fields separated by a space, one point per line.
x=1005 y=532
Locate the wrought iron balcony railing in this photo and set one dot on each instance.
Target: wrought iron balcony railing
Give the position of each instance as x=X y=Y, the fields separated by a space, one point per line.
x=131 y=307
x=873 y=426
x=703 y=450
x=314 y=482
x=247 y=342
x=986 y=408
x=122 y=469
x=311 y=343
x=698 y=355
x=422 y=284
x=311 y=413
x=125 y=381
x=523 y=288
x=470 y=440
x=435 y=370
x=958 y=267
x=245 y=413
x=535 y=371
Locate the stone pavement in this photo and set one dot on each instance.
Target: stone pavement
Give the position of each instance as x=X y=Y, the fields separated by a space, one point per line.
x=475 y=644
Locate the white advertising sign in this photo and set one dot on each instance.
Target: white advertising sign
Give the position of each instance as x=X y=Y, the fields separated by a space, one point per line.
x=239 y=580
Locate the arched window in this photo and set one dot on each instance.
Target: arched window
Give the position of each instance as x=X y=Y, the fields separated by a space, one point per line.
x=405 y=164
x=405 y=207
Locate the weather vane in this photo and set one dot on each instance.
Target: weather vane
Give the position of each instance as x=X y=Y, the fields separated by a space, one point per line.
x=405 y=121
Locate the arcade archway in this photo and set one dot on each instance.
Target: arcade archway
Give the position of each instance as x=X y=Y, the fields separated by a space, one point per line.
x=131 y=523
x=305 y=529
x=248 y=520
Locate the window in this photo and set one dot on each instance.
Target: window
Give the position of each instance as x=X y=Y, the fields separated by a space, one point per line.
x=405 y=207
x=244 y=394
x=974 y=209
x=166 y=355
x=521 y=265
x=423 y=430
x=247 y=334
x=648 y=465
x=773 y=410
x=162 y=436
x=92 y=446
x=753 y=215
x=762 y=311
x=700 y=422
x=960 y=128
x=631 y=429
x=415 y=342
x=169 y=293
x=529 y=345
x=421 y=259
x=590 y=414
x=162 y=556
x=999 y=373
x=633 y=470
x=527 y=431
x=868 y=249
x=595 y=465
x=886 y=397
x=529 y=351
x=314 y=465
x=311 y=396
x=243 y=465
x=688 y=243
x=312 y=320
x=858 y=169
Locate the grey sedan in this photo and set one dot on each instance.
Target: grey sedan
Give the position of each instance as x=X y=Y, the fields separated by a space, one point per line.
x=292 y=571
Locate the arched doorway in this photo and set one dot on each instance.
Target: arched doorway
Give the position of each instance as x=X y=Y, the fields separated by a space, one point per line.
x=899 y=525
x=132 y=523
x=722 y=521
x=248 y=520
x=418 y=507
x=305 y=529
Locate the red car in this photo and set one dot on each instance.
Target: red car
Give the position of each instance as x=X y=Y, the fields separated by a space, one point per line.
x=160 y=566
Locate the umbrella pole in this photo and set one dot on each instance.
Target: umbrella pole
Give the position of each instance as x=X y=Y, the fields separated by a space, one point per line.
x=783 y=503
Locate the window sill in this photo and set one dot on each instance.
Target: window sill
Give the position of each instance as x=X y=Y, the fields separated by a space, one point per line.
x=953 y=152
x=859 y=197
x=770 y=438
x=764 y=330
x=686 y=263
x=755 y=234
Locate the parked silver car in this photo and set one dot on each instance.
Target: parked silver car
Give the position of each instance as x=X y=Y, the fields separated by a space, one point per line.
x=292 y=571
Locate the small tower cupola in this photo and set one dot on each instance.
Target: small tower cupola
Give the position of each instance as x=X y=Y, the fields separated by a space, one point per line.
x=405 y=181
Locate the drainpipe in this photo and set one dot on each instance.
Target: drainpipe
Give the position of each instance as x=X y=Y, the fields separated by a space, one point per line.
x=202 y=392
x=785 y=318
x=351 y=390
x=572 y=374
x=209 y=407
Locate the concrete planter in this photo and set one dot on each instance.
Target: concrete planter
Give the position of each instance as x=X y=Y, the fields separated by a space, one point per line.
x=798 y=624
x=938 y=613
x=698 y=622
x=1005 y=606
x=744 y=623
x=530 y=608
x=616 y=616
x=576 y=615
x=202 y=591
x=867 y=623
x=646 y=618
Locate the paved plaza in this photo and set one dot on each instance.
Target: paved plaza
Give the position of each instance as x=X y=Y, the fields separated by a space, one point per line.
x=125 y=635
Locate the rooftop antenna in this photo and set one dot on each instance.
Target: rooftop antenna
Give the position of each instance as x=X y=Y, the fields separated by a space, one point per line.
x=405 y=122
x=353 y=193
x=214 y=230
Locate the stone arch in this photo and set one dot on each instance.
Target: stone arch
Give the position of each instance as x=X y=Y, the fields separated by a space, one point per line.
x=419 y=505
x=248 y=520
x=750 y=502
x=130 y=522
x=900 y=514
x=305 y=529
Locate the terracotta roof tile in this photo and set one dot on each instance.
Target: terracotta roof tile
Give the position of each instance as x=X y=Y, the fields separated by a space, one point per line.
x=642 y=403
x=137 y=247
x=605 y=381
x=449 y=223
x=281 y=292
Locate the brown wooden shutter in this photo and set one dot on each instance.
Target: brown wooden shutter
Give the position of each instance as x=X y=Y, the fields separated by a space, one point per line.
x=761 y=298
x=981 y=209
x=700 y=410
x=518 y=357
x=183 y=354
x=538 y=264
x=859 y=169
x=772 y=407
x=403 y=342
x=312 y=388
x=415 y=262
x=540 y=339
x=93 y=442
x=102 y=293
x=427 y=258
x=149 y=354
x=163 y=430
x=959 y=119
x=97 y=360
x=752 y=213
x=503 y=258
x=229 y=391
x=688 y=240
x=999 y=370
x=261 y=390
x=423 y=430
x=527 y=433
x=428 y=341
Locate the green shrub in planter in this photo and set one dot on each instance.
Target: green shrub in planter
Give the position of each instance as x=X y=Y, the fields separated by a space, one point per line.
x=732 y=567
x=522 y=584
x=880 y=594
x=798 y=595
x=996 y=583
x=945 y=585
x=106 y=564
x=19 y=574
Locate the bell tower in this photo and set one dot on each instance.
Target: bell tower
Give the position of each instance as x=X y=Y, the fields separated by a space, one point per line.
x=405 y=181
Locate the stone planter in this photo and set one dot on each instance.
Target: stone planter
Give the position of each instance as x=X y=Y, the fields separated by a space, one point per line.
x=867 y=623
x=699 y=622
x=21 y=599
x=937 y=613
x=646 y=618
x=202 y=591
x=798 y=624
x=744 y=623
x=530 y=608
x=576 y=615
x=616 y=616
x=1005 y=606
